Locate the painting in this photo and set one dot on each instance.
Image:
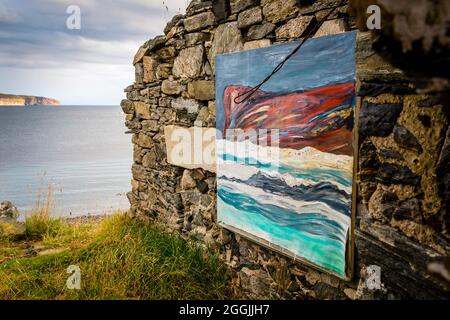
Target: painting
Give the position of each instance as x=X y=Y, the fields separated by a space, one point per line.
x=285 y=155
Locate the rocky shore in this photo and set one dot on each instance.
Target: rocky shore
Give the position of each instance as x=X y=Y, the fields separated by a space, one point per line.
x=20 y=100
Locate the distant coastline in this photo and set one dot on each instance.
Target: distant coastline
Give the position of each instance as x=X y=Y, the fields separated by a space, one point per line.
x=22 y=100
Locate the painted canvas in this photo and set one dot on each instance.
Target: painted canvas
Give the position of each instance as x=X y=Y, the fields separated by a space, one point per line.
x=285 y=156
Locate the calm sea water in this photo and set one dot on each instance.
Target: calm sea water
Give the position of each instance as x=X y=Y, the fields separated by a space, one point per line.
x=80 y=152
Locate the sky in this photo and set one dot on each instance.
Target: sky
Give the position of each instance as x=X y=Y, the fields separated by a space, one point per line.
x=40 y=55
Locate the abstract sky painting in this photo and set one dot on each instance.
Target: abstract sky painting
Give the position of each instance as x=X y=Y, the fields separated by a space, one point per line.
x=300 y=202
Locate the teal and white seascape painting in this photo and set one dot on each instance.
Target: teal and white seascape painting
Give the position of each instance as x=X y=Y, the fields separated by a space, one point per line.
x=292 y=191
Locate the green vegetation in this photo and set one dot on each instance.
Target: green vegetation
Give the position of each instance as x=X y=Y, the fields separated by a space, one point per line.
x=119 y=258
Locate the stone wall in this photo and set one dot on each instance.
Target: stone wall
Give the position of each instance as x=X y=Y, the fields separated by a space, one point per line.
x=401 y=221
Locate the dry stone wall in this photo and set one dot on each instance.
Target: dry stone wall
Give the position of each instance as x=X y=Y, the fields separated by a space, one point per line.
x=402 y=217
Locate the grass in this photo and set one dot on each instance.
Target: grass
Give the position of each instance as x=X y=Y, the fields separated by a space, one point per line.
x=119 y=258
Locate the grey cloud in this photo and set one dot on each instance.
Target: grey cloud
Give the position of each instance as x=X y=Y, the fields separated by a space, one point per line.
x=38 y=53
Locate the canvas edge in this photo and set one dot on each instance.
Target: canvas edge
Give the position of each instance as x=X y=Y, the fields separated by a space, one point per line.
x=350 y=258
x=350 y=245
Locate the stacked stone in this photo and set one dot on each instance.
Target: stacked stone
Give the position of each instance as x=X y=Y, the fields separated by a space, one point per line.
x=400 y=212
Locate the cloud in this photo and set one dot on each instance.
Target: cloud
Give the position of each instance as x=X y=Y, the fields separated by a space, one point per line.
x=36 y=44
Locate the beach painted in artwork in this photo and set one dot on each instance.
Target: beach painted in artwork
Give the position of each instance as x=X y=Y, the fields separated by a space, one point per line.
x=293 y=190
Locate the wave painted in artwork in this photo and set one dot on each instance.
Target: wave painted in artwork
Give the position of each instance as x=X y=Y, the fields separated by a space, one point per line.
x=298 y=198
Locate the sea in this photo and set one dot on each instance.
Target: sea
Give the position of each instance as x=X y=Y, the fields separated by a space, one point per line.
x=76 y=159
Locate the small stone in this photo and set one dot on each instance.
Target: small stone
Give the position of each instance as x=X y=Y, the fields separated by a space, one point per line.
x=127 y=106
x=138 y=73
x=201 y=90
x=254 y=281
x=166 y=54
x=257 y=44
x=140 y=54
x=249 y=17
x=187 y=182
x=189 y=63
x=202 y=117
x=150 y=159
x=171 y=87
x=404 y=138
x=163 y=71
x=371 y=89
x=331 y=27
x=351 y=293
x=278 y=10
x=190 y=197
x=196 y=6
x=150 y=65
x=207 y=68
x=257 y=32
x=191 y=106
x=142 y=110
x=164 y=102
x=240 y=5
x=390 y=173
x=212 y=107
x=199 y=21
x=10 y=227
x=145 y=141
x=409 y=210
x=378 y=119
x=8 y=210
x=221 y=10
x=388 y=153
x=428 y=102
x=295 y=28
x=196 y=38
x=227 y=38
x=202 y=186
x=155 y=43
x=172 y=23
x=197 y=174
x=150 y=125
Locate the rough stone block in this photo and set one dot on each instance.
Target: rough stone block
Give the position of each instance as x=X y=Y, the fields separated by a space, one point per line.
x=138 y=73
x=189 y=105
x=150 y=65
x=189 y=63
x=249 y=17
x=172 y=23
x=201 y=90
x=279 y=10
x=257 y=44
x=127 y=106
x=221 y=9
x=227 y=38
x=239 y=5
x=196 y=38
x=331 y=27
x=196 y=6
x=140 y=54
x=378 y=120
x=404 y=138
x=142 y=110
x=295 y=28
x=172 y=87
x=199 y=21
x=257 y=32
